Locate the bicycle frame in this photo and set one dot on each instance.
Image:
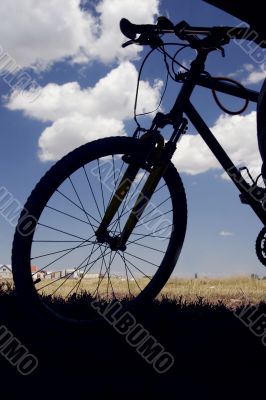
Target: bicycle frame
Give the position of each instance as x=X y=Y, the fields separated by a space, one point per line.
x=252 y=193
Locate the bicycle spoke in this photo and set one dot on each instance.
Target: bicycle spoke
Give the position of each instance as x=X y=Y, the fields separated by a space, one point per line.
x=125 y=260
x=148 y=234
x=115 y=186
x=82 y=206
x=69 y=215
x=164 y=201
x=99 y=169
x=134 y=191
x=147 y=247
x=69 y=274
x=75 y=204
x=100 y=274
x=92 y=192
x=133 y=265
x=125 y=204
x=76 y=269
x=59 y=230
x=57 y=241
x=126 y=268
x=151 y=236
x=109 y=277
x=144 y=216
x=142 y=259
x=59 y=258
x=61 y=251
x=149 y=220
x=116 y=181
x=106 y=271
x=86 y=269
x=159 y=188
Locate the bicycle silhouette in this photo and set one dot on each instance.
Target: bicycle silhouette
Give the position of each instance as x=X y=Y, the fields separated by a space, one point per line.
x=109 y=219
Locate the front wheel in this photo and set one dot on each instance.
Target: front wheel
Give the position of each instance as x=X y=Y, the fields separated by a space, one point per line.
x=59 y=265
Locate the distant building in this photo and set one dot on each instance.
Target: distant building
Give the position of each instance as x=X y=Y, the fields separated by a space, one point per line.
x=89 y=276
x=5 y=272
x=34 y=269
x=57 y=274
x=36 y=273
x=64 y=273
x=71 y=273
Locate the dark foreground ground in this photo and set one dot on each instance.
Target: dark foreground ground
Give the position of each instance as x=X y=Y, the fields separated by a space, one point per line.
x=216 y=356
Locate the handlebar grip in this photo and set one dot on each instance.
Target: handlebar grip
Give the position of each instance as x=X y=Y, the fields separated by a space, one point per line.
x=128 y=29
x=131 y=30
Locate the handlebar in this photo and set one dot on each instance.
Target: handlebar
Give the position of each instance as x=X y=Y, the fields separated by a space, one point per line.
x=214 y=36
x=132 y=30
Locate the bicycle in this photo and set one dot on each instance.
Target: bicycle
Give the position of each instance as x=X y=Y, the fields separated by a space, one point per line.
x=113 y=212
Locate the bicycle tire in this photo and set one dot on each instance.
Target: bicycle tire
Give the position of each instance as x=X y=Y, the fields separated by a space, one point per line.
x=48 y=186
x=260 y=246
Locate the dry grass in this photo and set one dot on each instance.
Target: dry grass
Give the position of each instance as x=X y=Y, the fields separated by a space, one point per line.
x=233 y=291
x=6 y=285
x=118 y=286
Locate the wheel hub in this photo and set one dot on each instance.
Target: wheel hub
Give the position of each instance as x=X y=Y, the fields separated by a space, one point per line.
x=113 y=241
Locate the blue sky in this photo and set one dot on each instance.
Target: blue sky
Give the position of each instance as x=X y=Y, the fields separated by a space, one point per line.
x=72 y=53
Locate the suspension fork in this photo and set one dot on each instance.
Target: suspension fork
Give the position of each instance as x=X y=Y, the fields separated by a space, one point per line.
x=158 y=171
x=126 y=183
x=142 y=202
x=120 y=194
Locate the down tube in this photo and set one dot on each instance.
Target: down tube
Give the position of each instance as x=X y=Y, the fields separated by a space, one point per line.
x=224 y=160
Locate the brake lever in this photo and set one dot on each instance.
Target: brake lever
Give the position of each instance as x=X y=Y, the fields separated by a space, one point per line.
x=144 y=40
x=221 y=49
x=129 y=42
x=141 y=40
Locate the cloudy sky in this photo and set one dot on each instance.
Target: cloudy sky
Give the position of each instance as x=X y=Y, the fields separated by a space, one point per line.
x=66 y=80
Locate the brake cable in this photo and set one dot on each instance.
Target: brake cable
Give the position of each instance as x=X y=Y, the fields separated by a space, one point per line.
x=162 y=50
x=220 y=78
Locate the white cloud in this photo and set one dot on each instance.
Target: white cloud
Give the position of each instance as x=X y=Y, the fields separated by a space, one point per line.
x=236 y=134
x=80 y=115
x=48 y=30
x=255 y=75
x=71 y=131
x=111 y=97
x=226 y=233
x=249 y=74
x=39 y=33
x=108 y=43
x=249 y=67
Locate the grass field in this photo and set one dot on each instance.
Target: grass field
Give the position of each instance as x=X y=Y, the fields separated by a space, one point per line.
x=233 y=291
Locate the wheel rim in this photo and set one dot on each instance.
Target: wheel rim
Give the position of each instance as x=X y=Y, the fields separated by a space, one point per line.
x=72 y=265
